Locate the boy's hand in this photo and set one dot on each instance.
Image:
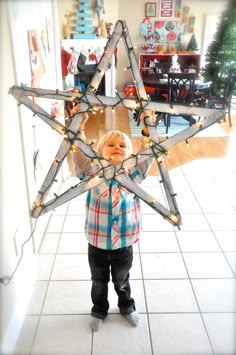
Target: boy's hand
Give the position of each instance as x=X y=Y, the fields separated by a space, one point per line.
x=152 y=118
x=84 y=120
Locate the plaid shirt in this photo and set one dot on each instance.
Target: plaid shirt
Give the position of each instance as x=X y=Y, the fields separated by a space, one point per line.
x=113 y=218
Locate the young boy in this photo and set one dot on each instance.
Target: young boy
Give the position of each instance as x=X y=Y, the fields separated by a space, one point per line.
x=112 y=225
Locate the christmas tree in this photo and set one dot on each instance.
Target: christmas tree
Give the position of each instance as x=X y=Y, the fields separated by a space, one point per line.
x=192 y=44
x=220 y=56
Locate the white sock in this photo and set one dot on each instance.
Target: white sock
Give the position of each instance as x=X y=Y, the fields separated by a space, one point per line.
x=95 y=323
x=133 y=318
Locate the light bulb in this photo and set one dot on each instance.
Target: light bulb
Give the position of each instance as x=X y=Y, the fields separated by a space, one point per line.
x=173 y=218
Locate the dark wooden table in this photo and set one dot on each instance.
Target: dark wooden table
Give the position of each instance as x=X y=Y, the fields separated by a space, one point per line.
x=158 y=81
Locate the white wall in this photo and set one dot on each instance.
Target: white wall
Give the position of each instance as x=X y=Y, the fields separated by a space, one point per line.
x=17 y=187
x=14 y=204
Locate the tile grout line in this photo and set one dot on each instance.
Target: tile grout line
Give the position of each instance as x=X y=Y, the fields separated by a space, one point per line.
x=48 y=281
x=213 y=232
x=195 y=296
x=144 y=291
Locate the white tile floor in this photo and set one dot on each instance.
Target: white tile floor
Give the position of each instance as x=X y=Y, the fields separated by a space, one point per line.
x=183 y=281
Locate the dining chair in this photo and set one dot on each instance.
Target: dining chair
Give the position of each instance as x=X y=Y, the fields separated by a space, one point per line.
x=180 y=91
x=202 y=95
x=163 y=67
x=151 y=91
x=224 y=102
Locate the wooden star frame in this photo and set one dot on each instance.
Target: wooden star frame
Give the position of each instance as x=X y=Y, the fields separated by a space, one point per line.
x=88 y=101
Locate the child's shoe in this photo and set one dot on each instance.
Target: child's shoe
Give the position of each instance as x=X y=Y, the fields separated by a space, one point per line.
x=133 y=318
x=95 y=323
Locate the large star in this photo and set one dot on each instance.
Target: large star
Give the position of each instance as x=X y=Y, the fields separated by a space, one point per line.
x=88 y=101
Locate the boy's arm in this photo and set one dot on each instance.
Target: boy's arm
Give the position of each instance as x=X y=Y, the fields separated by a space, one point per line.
x=145 y=166
x=152 y=117
x=81 y=161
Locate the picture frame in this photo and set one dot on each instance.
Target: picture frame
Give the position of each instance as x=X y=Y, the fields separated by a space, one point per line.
x=166 y=9
x=36 y=59
x=168 y=31
x=150 y=9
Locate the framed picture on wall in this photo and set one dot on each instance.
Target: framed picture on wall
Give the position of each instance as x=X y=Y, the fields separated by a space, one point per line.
x=150 y=9
x=166 y=8
x=36 y=58
x=168 y=31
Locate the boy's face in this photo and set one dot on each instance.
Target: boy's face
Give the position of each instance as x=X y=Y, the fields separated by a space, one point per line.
x=116 y=149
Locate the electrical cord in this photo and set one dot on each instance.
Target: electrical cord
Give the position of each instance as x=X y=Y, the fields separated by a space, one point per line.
x=5 y=280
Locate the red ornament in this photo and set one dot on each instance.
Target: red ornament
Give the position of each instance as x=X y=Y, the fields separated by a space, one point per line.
x=171 y=36
x=159 y=24
x=93 y=57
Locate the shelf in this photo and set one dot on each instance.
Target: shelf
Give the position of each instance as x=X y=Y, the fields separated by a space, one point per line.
x=185 y=60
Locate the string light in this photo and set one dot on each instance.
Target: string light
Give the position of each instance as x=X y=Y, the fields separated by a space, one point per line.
x=199 y=125
x=174 y=219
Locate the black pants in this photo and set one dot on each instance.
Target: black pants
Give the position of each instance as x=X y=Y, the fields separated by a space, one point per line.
x=117 y=262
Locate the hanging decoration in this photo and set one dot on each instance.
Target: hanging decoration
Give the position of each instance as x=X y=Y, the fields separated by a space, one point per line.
x=145 y=27
x=85 y=30
x=89 y=101
x=192 y=20
x=186 y=19
x=72 y=65
x=100 y=10
x=177 y=8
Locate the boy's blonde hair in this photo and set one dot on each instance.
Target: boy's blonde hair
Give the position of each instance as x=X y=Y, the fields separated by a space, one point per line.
x=109 y=134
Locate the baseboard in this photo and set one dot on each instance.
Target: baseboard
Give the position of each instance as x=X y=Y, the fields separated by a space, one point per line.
x=24 y=284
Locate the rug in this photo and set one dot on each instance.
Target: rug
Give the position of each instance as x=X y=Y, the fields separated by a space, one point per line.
x=178 y=124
